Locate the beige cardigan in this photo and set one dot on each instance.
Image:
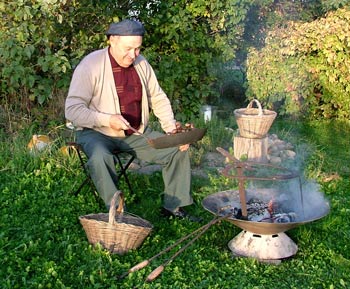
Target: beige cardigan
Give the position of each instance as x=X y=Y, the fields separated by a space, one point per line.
x=92 y=96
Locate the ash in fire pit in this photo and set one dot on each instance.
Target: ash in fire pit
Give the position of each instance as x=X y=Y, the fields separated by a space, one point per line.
x=271 y=212
x=260 y=211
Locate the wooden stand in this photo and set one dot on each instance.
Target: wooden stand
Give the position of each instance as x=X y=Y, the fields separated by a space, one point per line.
x=251 y=149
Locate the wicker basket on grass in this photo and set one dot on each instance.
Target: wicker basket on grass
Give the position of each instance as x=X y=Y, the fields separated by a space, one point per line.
x=117 y=231
x=254 y=122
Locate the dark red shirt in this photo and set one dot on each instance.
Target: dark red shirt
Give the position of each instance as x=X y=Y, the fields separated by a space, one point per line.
x=129 y=89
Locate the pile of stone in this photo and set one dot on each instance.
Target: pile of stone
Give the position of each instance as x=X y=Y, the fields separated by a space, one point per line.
x=278 y=150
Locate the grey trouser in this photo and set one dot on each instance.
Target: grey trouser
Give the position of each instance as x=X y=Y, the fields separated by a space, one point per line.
x=101 y=164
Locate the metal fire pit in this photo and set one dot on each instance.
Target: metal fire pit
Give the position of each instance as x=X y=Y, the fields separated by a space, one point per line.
x=261 y=240
x=222 y=203
x=265 y=239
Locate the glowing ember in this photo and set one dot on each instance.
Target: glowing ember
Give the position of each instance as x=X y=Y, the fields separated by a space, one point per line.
x=260 y=211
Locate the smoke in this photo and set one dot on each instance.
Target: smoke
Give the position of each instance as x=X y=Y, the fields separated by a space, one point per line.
x=291 y=192
x=314 y=205
x=300 y=197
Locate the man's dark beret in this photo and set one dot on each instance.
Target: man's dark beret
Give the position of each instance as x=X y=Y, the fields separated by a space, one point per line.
x=126 y=28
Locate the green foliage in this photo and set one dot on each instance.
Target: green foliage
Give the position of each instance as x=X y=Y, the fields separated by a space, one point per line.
x=32 y=64
x=303 y=69
x=185 y=39
x=265 y=15
x=328 y=5
x=42 y=41
x=188 y=43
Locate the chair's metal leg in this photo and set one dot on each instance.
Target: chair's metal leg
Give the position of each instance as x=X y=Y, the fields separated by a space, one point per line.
x=122 y=168
x=82 y=164
x=87 y=179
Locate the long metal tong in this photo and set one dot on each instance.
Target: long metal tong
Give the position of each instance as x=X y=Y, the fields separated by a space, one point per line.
x=156 y=272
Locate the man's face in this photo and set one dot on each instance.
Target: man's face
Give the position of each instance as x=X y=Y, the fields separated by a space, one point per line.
x=125 y=49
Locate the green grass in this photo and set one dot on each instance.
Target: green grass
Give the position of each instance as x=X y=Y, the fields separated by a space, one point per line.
x=42 y=244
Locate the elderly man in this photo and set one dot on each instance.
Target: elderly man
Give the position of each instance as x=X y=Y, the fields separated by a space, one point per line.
x=113 y=89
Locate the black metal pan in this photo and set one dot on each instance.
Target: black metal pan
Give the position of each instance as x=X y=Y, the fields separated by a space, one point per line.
x=177 y=139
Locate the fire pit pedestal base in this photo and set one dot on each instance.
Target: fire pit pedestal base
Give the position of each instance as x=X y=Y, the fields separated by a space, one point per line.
x=263 y=247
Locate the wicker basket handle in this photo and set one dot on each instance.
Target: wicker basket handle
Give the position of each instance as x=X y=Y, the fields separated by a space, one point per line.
x=258 y=104
x=113 y=209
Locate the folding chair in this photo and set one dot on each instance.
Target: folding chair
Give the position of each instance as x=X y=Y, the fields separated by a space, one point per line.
x=122 y=165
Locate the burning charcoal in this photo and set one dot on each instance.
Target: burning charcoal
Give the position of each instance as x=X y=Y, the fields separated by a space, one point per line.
x=256 y=206
x=238 y=214
x=230 y=211
x=254 y=200
x=262 y=216
x=259 y=211
x=284 y=218
x=292 y=216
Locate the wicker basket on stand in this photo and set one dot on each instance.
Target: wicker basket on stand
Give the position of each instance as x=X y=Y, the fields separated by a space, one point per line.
x=117 y=231
x=254 y=122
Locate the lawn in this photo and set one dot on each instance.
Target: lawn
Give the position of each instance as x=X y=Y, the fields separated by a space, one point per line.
x=43 y=245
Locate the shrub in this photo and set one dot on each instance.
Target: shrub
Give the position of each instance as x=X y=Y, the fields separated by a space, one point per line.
x=303 y=69
x=42 y=41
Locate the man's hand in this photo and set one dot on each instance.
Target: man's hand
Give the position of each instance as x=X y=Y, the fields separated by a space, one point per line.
x=184 y=148
x=118 y=122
